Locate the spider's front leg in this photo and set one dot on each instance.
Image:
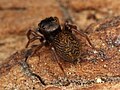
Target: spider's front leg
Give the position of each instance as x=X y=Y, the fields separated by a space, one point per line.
x=32 y=36
x=35 y=36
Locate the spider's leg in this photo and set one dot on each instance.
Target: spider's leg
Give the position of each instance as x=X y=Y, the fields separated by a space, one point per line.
x=37 y=48
x=58 y=62
x=56 y=58
x=33 y=51
x=35 y=35
x=80 y=32
x=84 y=35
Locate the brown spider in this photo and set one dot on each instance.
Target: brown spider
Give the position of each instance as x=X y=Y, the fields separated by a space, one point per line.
x=62 y=42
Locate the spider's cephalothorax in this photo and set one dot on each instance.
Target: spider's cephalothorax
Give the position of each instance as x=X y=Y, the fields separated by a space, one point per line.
x=63 y=41
x=49 y=27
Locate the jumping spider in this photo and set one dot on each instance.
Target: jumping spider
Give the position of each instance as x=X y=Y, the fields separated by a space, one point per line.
x=62 y=42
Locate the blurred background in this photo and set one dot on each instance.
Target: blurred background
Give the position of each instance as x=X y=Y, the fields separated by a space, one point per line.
x=18 y=16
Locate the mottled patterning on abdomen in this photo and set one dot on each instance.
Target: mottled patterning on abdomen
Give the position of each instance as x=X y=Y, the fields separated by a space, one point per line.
x=67 y=46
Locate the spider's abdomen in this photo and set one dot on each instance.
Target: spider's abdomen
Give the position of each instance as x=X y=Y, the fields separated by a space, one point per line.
x=67 y=46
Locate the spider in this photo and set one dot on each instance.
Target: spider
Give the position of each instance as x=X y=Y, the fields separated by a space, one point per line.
x=60 y=39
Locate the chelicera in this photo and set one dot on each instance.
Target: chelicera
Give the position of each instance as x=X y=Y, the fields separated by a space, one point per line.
x=60 y=39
